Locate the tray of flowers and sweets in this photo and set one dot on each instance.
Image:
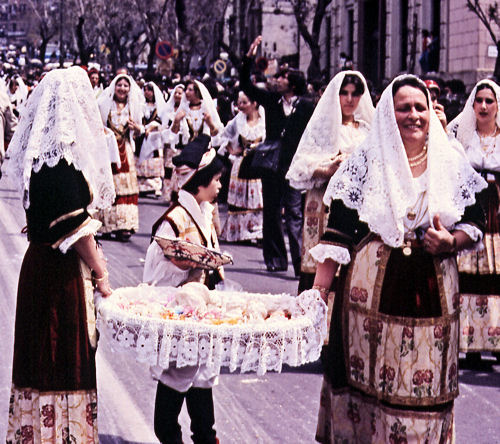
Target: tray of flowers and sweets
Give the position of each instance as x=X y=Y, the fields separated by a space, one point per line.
x=191 y=325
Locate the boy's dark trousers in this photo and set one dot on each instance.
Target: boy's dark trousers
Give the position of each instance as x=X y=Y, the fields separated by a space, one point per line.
x=200 y=406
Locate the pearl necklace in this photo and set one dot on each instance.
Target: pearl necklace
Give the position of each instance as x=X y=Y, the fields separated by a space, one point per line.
x=419 y=159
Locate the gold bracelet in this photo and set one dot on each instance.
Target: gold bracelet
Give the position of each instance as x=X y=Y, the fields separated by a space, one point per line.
x=322 y=290
x=106 y=274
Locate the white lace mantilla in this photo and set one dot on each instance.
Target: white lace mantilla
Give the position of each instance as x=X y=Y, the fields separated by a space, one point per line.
x=61 y=120
x=377 y=182
x=292 y=333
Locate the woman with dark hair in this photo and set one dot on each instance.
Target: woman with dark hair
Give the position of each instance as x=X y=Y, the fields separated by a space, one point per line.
x=58 y=161
x=198 y=172
x=241 y=135
x=401 y=207
x=199 y=111
x=478 y=129
x=149 y=145
x=339 y=123
x=121 y=106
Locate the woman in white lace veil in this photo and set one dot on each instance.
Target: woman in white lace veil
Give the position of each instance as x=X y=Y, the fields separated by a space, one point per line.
x=339 y=123
x=121 y=105
x=149 y=145
x=58 y=161
x=241 y=135
x=324 y=137
x=402 y=205
x=60 y=122
x=171 y=140
x=198 y=109
x=477 y=128
x=17 y=91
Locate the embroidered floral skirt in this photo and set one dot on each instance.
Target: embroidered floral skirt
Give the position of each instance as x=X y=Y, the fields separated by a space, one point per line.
x=53 y=393
x=480 y=286
x=150 y=175
x=392 y=359
x=124 y=214
x=244 y=221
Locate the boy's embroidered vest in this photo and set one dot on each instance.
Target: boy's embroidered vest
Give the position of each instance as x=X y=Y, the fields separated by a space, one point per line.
x=185 y=228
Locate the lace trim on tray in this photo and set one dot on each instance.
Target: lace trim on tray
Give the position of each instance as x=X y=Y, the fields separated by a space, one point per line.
x=258 y=346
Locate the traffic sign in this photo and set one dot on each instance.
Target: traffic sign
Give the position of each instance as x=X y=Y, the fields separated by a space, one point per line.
x=220 y=66
x=164 y=50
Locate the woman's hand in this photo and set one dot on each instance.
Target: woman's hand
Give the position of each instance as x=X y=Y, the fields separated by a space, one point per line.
x=102 y=285
x=176 y=124
x=234 y=151
x=439 y=110
x=326 y=172
x=134 y=127
x=439 y=240
x=253 y=47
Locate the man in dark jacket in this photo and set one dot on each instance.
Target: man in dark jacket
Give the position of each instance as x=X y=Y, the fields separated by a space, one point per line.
x=287 y=115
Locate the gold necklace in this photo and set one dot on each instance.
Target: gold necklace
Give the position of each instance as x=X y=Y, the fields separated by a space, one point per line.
x=482 y=140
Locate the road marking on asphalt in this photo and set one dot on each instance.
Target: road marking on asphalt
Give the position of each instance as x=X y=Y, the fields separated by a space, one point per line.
x=128 y=418
x=251 y=381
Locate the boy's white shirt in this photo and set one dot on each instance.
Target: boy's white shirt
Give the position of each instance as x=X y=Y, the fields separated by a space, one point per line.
x=158 y=270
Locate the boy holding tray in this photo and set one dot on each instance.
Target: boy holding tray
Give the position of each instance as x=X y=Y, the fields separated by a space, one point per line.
x=198 y=173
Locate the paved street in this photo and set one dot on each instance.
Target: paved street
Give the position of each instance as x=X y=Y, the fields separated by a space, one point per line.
x=274 y=408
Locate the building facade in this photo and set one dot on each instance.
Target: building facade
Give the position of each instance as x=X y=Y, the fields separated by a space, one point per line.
x=383 y=38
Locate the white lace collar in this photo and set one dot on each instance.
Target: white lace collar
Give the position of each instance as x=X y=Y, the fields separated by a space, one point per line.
x=61 y=120
x=376 y=179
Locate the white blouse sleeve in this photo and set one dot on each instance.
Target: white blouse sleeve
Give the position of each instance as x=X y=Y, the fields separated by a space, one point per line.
x=322 y=252
x=228 y=136
x=90 y=228
x=158 y=270
x=475 y=234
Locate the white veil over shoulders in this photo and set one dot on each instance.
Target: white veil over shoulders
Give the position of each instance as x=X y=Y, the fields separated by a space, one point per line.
x=170 y=104
x=320 y=141
x=159 y=99
x=61 y=120
x=135 y=99
x=464 y=125
x=377 y=182
x=207 y=105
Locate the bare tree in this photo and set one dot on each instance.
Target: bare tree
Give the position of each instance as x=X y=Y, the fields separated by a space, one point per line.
x=122 y=31
x=489 y=15
x=197 y=22
x=153 y=16
x=43 y=25
x=302 y=10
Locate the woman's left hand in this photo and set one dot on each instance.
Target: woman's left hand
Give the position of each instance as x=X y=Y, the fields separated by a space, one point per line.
x=133 y=126
x=438 y=240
